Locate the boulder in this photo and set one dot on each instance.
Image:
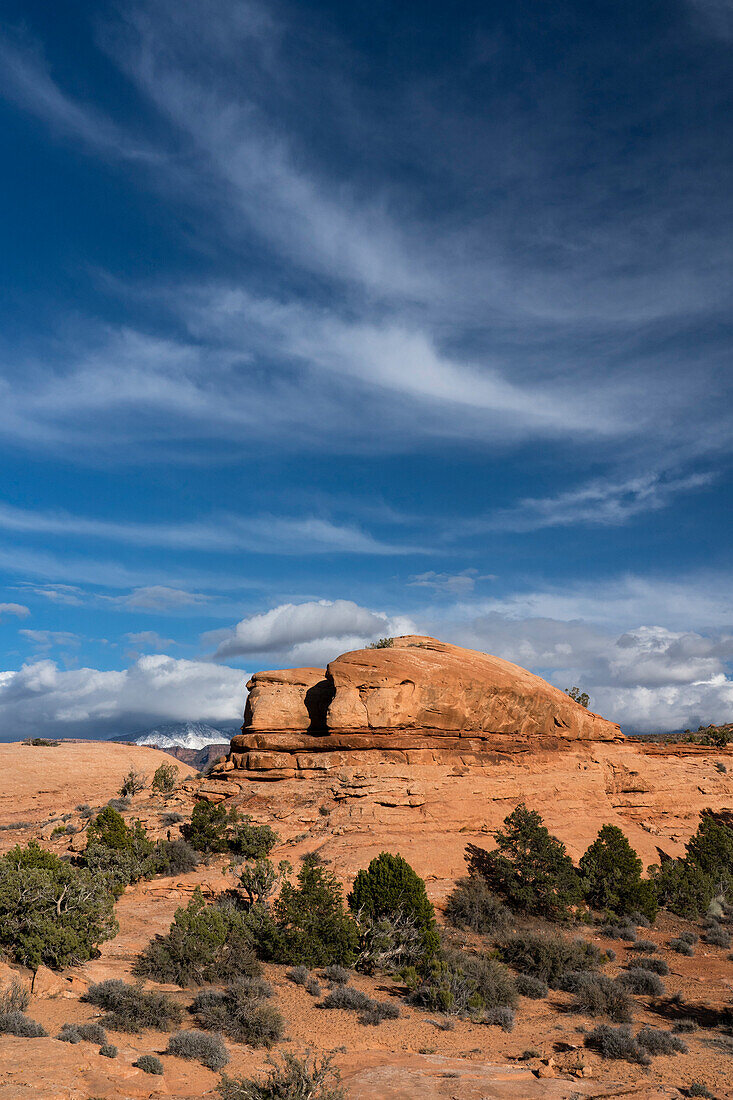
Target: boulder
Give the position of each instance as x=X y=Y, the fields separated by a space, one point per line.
x=287 y=699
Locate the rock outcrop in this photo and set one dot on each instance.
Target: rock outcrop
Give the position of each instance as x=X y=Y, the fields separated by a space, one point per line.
x=418 y=694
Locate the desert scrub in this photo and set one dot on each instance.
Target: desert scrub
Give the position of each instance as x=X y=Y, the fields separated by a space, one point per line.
x=717 y=937
x=336 y=975
x=171 y=818
x=14 y=998
x=389 y=944
x=16 y=1023
x=89 y=1033
x=131 y=1008
x=682 y=947
x=313 y=986
x=689 y=937
x=197 y=1046
x=370 y=1011
x=299 y=975
x=205 y=943
x=308 y=1078
x=109 y=1050
x=657 y=1041
x=657 y=966
x=641 y=981
x=598 y=995
x=618 y=1043
x=174 y=857
x=528 y=986
x=548 y=956
x=165 y=778
x=463 y=984
x=148 y=1063
x=240 y=1012
x=625 y=932
x=471 y=904
x=647 y=947
x=502 y=1016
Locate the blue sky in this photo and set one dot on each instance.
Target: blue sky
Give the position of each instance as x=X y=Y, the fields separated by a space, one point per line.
x=323 y=322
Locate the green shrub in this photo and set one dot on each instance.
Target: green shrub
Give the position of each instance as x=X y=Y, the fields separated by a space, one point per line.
x=618 y=1043
x=530 y=868
x=122 y=853
x=639 y=980
x=598 y=995
x=148 y=1063
x=711 y=849
x=109 y=829
x=51 y=913
x=464 y=984
x=683 y=888
x=205 y=943
x=133 y=783
x=16 y=1023
x=548 y=956
x=259 y=879
x=252 y=841
x=308 y=1078
x=209 y=826
x=696 y=1088
x=311 y=925
x=131 y=1008
x=175 y=857
x=239 y=1011
x=471 y=904
x=656 y=1041
x=109 y=1050
x=610 y=875
x=390 y=888
x=197 y=1046
x=165 y=778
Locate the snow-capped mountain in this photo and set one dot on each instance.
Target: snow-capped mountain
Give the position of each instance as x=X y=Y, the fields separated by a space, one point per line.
x=185 y=735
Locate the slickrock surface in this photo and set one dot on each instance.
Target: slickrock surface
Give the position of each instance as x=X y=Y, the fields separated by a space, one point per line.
x=38 y=782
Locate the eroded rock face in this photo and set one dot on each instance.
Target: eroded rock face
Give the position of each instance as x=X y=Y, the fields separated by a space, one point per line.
x=288 y=699
x=420 y=697
x=421 y=683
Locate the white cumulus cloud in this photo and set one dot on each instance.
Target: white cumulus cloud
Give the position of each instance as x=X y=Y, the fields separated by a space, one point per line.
x=317 y=630
x=87 y=702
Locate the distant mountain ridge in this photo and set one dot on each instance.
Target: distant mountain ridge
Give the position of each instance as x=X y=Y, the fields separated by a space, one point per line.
x=184 y=735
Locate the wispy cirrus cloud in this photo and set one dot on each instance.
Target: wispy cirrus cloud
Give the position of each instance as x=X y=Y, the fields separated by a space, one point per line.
x=267 y=534
x=19 y=610
x=603 y=502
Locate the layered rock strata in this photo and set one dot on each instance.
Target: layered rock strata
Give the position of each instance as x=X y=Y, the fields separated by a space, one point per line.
x=417 y=695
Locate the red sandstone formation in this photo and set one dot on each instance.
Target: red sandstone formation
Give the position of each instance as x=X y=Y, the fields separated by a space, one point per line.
x=417 y=694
